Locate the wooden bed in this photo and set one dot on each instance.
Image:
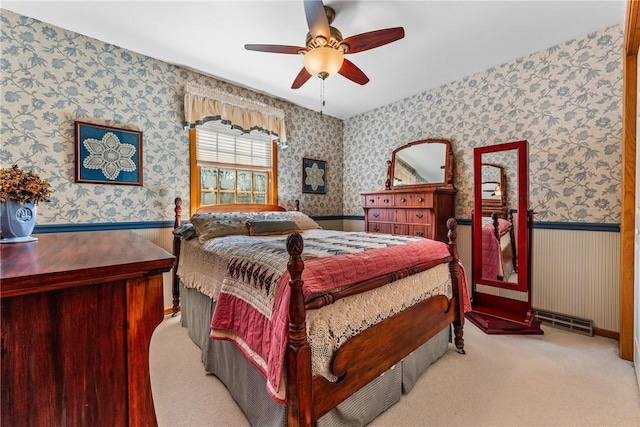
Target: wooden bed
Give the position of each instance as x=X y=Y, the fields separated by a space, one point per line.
x=367 y=355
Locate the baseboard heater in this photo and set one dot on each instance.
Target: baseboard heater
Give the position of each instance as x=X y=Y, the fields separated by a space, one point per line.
x=563 y=321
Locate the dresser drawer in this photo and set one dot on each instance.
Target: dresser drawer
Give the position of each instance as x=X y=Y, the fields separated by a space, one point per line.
x=380 y=214
x=420 y=231
x=382 y=200
x=376 y=227
x=413 y=200
x=415 y=216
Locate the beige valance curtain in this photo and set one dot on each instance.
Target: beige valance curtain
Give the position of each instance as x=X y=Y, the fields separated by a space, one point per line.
x=203 y=104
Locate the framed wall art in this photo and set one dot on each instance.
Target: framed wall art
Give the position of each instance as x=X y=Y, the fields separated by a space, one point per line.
x=314 y=176
x=108 y=155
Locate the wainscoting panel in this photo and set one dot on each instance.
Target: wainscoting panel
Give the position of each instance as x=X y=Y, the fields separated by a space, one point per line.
x=163 y=238
x=578 y=273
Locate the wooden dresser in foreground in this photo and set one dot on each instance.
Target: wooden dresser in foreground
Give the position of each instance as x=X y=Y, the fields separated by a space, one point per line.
x=410 y=212
x=78 y=311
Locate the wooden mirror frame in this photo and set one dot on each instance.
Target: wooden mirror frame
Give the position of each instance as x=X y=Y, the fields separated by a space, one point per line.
x=523 y=223
x=448 y=166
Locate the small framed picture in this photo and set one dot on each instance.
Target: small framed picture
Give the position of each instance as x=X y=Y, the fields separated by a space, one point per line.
x=314 y=176
x=108 y=155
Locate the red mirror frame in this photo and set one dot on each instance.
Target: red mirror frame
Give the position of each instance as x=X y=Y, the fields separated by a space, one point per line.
x=523 y=243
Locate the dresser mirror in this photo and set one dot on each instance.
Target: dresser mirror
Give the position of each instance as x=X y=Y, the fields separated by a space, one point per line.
x=425 y=163
x=502 y=231
x=494 y=185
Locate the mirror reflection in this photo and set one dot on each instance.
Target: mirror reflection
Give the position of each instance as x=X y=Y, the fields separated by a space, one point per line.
x=421 y=163
x=499 y=197
x=493 y=184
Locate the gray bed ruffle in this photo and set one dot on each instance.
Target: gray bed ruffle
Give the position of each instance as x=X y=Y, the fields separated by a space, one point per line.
x=248 y=387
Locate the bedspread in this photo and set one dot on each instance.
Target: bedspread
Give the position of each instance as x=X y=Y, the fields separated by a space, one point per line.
x=253 y=302
x=491 y=254
x=203 y=265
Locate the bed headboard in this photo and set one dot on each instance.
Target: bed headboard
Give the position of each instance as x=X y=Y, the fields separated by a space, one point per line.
x=229 y=208
x=240 y=208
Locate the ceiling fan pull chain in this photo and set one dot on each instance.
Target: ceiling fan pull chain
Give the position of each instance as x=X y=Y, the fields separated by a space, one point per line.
x=322 y=97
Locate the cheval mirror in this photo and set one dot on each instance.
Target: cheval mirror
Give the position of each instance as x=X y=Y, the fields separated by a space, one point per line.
x=502 y=235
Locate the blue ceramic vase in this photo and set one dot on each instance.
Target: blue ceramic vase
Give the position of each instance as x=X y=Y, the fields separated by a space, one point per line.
x=17 y=221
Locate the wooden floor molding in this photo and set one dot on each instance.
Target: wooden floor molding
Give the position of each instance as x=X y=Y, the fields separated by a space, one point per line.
x=606 y=333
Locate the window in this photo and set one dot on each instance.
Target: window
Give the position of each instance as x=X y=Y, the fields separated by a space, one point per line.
x=229 y=167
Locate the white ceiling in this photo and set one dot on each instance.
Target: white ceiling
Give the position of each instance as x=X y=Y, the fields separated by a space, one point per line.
x=444 y=41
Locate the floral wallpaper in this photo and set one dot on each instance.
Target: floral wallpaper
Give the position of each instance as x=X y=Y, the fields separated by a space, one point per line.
x=52 y=77
x=566 y=101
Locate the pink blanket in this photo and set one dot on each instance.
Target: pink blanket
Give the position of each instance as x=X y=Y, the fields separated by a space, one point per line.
x=491 y=253
x=252 y=308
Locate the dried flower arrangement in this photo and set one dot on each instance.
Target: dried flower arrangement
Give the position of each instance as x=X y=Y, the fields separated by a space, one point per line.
x=23 y=187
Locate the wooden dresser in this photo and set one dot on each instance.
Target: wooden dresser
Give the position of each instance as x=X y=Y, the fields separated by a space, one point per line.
x=78 y=311
x=411 y=212
x=419 y=195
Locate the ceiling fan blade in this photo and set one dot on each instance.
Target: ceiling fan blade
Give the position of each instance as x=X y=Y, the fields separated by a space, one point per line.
x=353 y=73
x=301 y=79
x=317 y=18
x=372 y=39
x=275 y=48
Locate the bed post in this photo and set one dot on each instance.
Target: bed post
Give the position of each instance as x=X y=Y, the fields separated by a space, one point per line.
x=298 y=357
x=456 y=283
x=175 y=289
x=513 y=240
x=496 y=225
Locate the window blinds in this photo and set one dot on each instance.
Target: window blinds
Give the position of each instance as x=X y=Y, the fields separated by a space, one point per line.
x=220 y=145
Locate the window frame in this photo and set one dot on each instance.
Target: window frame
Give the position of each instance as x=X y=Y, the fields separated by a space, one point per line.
x=195 y=175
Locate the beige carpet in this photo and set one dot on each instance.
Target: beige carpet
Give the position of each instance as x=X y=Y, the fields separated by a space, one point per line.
x=557 y=379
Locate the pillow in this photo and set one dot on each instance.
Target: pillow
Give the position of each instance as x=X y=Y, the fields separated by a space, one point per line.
x=302 y=220
x=185 y=231
x=272 y=227
x=210 y=225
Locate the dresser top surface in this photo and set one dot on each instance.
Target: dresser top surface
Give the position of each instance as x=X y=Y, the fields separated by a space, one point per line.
x=78 y=256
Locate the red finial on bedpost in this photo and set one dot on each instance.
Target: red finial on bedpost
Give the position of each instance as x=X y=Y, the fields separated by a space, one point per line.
x=298 y=351
x=296 y=205
x=175 y=289
x=454 y=269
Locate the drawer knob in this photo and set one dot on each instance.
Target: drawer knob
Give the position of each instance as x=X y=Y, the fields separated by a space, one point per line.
x=403 y=200
x=419 y=216
x=386 y=200
x=376 y=215
x=371 y=200
x=420 y=233
x=420 y=199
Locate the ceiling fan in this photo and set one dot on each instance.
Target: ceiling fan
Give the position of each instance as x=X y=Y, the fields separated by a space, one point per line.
x=325 y=47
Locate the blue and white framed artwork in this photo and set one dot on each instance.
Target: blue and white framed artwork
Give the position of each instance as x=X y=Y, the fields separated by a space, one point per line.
x=108 y=155
x=314 y=176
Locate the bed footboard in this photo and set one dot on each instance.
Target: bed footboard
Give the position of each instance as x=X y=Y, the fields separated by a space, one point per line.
x=368 y=354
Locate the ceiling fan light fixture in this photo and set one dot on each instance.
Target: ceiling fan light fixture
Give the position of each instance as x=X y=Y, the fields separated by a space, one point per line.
x=323 y=61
